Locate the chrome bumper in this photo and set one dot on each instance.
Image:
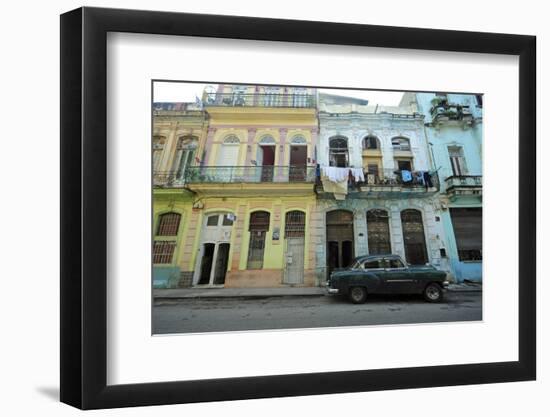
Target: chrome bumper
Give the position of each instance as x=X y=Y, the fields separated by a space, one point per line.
x=332 y=290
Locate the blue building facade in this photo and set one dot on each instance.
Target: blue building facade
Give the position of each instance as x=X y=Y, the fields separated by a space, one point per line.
x=454 y=129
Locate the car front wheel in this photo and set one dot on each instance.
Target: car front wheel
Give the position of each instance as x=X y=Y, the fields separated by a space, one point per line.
x=357 y=295
x=433 y=293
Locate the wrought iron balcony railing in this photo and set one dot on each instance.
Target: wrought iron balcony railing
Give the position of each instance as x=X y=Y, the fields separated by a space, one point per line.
x=235 y=174
x=249 y=174
x=389 y=180
x=397 y=178
x=259 y=100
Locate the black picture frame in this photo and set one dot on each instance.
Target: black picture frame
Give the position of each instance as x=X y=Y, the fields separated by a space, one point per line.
x=84 y=207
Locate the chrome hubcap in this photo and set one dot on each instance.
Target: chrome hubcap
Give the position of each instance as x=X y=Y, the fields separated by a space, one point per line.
x=432 y=293
x=356 y=293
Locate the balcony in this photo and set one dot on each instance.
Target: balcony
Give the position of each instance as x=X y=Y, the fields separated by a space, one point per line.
x=443 y=112
x=241 y=180
x=259 y=100
x=461 y=186
x=387 y=184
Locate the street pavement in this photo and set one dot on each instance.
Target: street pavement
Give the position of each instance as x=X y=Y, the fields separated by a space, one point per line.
x=197 y=315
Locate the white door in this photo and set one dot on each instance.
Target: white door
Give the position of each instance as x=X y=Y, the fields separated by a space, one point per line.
x=294 y=260
x=213 y=258
x=294 y=247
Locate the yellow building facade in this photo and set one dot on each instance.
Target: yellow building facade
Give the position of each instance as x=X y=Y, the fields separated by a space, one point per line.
x=246 y=197
x=179 y=130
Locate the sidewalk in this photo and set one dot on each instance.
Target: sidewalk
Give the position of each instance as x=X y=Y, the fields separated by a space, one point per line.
x=183 y=293
x=194 y=293
x=466 y=287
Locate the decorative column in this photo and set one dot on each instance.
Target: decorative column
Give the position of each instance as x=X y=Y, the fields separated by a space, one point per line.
x=396 y=232
x=360 y=229
x=208 y=147
x=249 y=145
x=432 y=235
x=238 y=229
x=317 y=233
x=314 y=138
x=282 y=175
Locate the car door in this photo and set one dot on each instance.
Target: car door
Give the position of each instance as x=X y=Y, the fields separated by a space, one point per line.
x=376 y=270
x=397 y=277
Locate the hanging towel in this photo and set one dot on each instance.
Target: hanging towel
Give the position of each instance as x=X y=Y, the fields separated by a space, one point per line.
x=335 y=180
x=406 y=175
x=358 y=174
x=335 y=174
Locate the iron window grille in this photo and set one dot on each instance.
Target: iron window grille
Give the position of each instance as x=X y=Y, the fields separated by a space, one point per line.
x=168 y=224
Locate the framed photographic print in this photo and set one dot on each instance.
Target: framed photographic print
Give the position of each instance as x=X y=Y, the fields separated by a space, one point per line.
x=257 y=208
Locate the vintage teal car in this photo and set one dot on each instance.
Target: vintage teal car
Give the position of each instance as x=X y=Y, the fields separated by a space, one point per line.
x=387 y=274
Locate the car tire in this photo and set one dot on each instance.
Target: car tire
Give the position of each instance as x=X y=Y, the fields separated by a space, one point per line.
x=357 y=295
x=433 y=293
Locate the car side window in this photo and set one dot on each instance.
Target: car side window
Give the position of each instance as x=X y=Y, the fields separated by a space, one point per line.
x=374 y=264
x=395 y=263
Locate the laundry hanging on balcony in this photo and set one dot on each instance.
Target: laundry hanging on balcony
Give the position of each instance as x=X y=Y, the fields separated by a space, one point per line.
x=358 y=174
x=335 y=180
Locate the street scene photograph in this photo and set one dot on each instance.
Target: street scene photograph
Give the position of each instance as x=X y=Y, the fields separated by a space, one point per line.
x=293 y=207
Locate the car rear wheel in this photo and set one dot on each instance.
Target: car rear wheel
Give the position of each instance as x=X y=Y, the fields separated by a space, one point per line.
x=433 y=293
x=357 y=295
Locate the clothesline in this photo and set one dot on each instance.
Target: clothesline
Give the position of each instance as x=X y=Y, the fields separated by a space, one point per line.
x=339 y=174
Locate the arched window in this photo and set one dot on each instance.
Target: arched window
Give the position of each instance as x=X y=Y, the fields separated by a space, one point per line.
x=258 y=227
x=371 y=142
x=186 y=149
x=378 y=231
x=168 y=224
x=298 y=140
x=231 y=139
x=338 y=151
x=413 y=237
x=267 y=140
x=400 y=143
x=158 y=148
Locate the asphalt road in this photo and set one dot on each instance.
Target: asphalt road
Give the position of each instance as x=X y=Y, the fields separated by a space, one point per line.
x=230 y=314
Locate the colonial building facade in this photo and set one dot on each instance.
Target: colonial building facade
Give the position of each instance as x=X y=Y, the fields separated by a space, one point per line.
x=260 y=186
x=394 y=208
x=251 y=190
x=454 y=128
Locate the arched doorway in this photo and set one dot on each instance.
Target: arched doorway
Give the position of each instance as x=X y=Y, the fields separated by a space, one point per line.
x=214 y=250
x=413 y=237
x=378 y=231
x=295 y=232
x=340 y=241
